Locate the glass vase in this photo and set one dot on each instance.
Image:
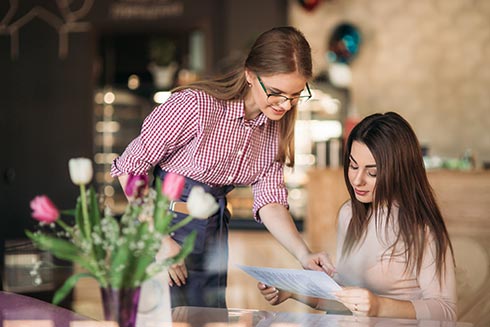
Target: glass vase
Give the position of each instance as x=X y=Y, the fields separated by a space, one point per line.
x=154 y=307
x=121 y=305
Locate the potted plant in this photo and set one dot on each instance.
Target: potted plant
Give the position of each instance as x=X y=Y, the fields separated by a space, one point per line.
x=117 y=252
x=163 y=65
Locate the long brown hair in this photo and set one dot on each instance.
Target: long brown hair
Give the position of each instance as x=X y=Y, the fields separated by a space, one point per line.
x=401 y=180
x=280 y=50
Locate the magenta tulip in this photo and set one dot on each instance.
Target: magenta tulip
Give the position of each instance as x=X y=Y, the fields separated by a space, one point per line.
x=173 y=185
x=136 y=186
x=44 y=210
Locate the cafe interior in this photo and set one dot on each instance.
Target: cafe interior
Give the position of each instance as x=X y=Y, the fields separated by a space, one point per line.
x=79 y=77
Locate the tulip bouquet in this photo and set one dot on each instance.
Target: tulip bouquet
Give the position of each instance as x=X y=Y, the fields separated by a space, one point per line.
x=118 y=253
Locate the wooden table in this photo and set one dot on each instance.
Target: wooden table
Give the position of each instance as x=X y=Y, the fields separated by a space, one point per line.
x=213 y=317
x=19 y=310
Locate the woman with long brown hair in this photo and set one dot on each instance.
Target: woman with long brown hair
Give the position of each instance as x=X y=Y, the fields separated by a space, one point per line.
x=236 y=129
x=394 y=254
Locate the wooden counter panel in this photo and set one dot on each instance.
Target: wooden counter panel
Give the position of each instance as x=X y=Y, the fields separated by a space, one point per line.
x=326 y=193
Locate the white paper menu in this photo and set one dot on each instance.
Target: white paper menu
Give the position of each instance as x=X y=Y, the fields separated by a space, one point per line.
x=299 y=281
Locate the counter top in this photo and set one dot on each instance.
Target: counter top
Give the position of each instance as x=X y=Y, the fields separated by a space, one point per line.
x=197 y=317
x=15 y=307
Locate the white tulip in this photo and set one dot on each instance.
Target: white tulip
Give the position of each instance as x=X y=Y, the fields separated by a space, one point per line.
x=81 y=170
x=201 y=205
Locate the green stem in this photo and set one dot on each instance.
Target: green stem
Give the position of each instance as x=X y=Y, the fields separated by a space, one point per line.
x=87 y=230
x=86 y=221
x=180 y=224
x=67 y=228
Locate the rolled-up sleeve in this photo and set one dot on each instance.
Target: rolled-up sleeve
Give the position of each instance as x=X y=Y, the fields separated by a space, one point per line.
x=438 y=299
x=270 y=189
x=169 y=126
x=132 y=160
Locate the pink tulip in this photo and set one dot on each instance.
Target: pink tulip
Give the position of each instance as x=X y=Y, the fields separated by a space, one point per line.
x=173 y=185
x=136 y=185
x=44 y=210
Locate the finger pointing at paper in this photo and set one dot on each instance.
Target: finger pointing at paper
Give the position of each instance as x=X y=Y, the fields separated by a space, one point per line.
x=319 y=262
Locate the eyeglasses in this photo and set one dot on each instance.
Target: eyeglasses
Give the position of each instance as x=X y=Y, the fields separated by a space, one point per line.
x=275 y=99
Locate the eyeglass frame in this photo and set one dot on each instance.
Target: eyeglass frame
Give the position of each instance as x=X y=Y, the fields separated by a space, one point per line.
x=299 y=97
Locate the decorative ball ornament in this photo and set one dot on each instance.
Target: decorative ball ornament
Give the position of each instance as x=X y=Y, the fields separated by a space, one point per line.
x=344 y=43
x=309 y=5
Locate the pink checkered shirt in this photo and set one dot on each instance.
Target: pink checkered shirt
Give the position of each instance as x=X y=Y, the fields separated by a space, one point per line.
x=208 y=140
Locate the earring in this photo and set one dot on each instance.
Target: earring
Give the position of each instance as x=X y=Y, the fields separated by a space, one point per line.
x=249 y=84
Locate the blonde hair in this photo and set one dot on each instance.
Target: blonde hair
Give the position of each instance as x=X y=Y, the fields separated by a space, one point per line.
x=280 y=50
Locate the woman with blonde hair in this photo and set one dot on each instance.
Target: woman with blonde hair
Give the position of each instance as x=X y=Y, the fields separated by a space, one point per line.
x=236 y=129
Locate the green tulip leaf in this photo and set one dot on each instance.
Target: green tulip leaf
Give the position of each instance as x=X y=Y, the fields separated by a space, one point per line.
x=58 y=247
x=161 y=216
x=69 y=284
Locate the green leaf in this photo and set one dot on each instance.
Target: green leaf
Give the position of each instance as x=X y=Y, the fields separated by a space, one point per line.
x=93 y=208
x=113 y=226
x=187 y=246
x=59 y=248
x=178 y=225
x=79 y=217
x=62 y=249
x=139 y=272
x=69 y=212
x=119 y=265
x=63 y=291
x=161 y=215
x=140 y=261
x=185 y=250
x=94 y=217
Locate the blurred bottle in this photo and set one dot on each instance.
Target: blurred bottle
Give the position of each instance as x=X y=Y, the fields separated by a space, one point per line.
x=334 y=153
x=329 y=153
x=468 y=161
x=350 y=121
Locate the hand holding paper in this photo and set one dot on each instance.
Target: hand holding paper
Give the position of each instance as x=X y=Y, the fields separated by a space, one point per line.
x=299 y=281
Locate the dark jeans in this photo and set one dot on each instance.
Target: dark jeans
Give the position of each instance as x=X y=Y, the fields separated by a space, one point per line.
x=207 y=265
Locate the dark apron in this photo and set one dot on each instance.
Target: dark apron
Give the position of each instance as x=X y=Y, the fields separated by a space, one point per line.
x=207 y=265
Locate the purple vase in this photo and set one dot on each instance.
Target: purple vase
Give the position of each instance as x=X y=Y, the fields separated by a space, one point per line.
x=121 y=305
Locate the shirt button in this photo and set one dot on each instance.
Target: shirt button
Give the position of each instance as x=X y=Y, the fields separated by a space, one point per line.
x=230 y=178
x=239 y=153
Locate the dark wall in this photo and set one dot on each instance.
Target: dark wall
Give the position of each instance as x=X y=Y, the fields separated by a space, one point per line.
x=245 y=20
x=46 y=100
x=46 y=118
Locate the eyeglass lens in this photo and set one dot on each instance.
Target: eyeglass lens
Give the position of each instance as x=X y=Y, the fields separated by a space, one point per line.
x=277 y=99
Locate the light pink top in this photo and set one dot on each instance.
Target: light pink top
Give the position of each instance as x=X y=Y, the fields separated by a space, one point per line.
x=368 y=266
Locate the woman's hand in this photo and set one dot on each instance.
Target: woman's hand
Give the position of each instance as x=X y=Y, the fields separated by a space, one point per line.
x=360 y=301
x=318 y=261
x=280 y=223
x=177 y=272
x=363 y=302
x=272 y=294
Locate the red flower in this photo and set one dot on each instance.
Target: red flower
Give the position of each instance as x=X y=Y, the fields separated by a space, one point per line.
x=136 y=185
x=44 y=210
x=173 y=185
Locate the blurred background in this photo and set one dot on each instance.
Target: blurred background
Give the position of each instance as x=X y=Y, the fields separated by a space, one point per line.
x=78 y=77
